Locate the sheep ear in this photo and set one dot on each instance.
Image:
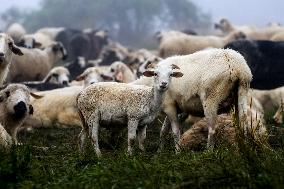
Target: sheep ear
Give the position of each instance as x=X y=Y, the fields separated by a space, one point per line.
x=175 y=66
x=37 y=44
x=31 y=109
x=149 y=73
x=36 y=96
x=16 y=50
x=106 y=77
x=177 y=74
x=80 y=77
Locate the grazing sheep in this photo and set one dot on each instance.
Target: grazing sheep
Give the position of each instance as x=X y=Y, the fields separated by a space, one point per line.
x=15 y=107
x=93 y=75
x=195 y=137
x=7 y=49
x=16 y=31
x=213 y=78
x=120 y=72
x=37 y=60
x=123 y=104
x=188 y=44
x=56 y=107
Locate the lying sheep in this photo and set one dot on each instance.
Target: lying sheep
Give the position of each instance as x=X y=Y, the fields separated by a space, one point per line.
x=120 y=72
x=37 y=60
x=212 y=79
x=16 y=31
x=196 y=136
x=7 y=49
x=15 y=107
x=56 y=107
x=123 y=104
x=58 y=77
x=188 y=44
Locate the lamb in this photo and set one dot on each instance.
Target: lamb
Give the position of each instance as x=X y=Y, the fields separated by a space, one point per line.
x=40 y=61
x=120 y=104
x=188 y=44
x=58 y=77
x=16 y=31
x=15 y=107
x=212 y=79
x=121 y=72
x=7 y=49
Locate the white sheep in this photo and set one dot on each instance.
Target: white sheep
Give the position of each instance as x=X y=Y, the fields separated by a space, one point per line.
x=120 y=72
x=15 y=107
x=16 y=31
x=7 y=49
x=188 y=44
x=271 y=99
x=36 y=40
x=123 y=104
x=35 y=63
x=212 y=79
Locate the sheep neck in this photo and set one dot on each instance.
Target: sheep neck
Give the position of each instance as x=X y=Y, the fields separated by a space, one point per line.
x=51 y=56
x=128 y=75
x=158 y=99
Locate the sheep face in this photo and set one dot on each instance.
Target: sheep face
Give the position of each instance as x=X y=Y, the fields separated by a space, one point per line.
x=58 y=75
x=91 y=76
x=59 y=50
x=162 y=75
x=7 y=47
x=29 y=42
x=17 y=100
x=224 y=25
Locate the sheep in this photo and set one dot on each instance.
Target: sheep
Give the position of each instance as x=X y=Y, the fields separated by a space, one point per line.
x=58 y=77
x=120 y=104
x=37 y=60
x=56 y=107
x=36 y=40
x=121 y=72
x=251 y=32
x=212 y=79
x=16 y=31
x=188 y=44
x=93 y=75
x=194 y=137
x=7 y=49
x=15 y=107
x=271 y=99
x=143 y=67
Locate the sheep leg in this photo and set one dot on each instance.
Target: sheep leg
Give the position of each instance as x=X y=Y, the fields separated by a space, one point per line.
x=142 y=137
x=93 y=129
x=278 y=117
x=14 y=136
x=82 y=140
x=210 y=111
x=165 y=129
x=132 y=128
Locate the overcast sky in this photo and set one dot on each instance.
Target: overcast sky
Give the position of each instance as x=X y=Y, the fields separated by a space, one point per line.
x=256 y=12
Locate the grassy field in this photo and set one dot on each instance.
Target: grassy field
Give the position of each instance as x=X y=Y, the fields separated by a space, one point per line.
x=50 y=158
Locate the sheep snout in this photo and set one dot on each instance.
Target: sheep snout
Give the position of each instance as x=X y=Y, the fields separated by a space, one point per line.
x=20 y=110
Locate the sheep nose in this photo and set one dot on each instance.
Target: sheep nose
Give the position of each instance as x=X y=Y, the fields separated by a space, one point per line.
x=20 y=109
x=65 y=83
x=2 y=54
x=164 y=84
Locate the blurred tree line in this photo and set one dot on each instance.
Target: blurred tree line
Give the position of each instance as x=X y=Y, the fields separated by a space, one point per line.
x=131 y=22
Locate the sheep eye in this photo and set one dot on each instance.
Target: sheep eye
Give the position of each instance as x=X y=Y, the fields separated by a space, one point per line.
x=155 y=74
x=111 y=70
x=55 y=75
x=7 y=93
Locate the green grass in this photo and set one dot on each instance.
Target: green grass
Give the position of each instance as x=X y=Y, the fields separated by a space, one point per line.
x=50 y=158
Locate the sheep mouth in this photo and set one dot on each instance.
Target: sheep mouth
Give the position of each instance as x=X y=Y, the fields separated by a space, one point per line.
x=163 y=88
